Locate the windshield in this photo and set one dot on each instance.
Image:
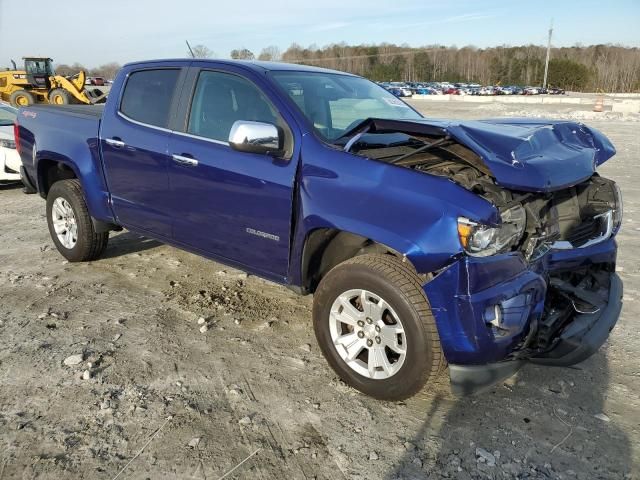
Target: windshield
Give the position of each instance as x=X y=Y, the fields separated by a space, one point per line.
x=336 y=103
x=7 y=116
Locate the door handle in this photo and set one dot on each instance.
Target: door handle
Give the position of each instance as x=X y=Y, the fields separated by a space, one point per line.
x=115 y=143
x=182 y=160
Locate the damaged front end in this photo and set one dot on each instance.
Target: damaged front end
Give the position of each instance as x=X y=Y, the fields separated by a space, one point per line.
x=540 y=285
x=558 y=317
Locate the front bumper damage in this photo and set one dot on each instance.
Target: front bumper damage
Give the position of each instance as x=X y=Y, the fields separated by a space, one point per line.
x=557 y=310
x=585 y=333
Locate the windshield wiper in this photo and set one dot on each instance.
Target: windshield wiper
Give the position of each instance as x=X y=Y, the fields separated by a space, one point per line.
x=353 y=140
x=424 y=148
x=354 y=131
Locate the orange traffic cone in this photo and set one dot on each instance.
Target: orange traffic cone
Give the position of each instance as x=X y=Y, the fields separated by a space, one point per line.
x=599 y=106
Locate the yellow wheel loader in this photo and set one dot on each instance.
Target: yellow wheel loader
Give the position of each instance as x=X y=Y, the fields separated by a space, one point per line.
x=38 y=83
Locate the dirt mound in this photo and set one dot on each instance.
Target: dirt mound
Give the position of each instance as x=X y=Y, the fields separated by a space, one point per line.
x=231 y=298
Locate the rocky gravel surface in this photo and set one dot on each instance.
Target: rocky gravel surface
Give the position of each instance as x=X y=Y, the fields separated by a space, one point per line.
x=154 y=363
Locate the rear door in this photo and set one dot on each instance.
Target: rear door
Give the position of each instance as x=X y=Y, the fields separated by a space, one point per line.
x=134 y=139
x=225 y=203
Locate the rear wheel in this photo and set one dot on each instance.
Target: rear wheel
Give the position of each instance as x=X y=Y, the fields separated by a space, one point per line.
x=59 y=96
x=22 y=98
x=375 y=328
x=70 y=224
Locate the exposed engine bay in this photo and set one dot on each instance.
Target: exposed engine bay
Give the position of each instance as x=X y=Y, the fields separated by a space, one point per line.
x=570 y=218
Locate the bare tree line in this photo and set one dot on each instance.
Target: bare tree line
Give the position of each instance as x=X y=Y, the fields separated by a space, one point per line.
x=107 y=71
x=588 y=68
x=611 y=68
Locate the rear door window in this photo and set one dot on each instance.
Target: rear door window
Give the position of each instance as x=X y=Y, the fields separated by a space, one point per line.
x=148 y=94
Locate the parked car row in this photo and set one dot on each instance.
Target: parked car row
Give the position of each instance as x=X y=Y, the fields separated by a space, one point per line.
x=97 y=81
x=408 y=89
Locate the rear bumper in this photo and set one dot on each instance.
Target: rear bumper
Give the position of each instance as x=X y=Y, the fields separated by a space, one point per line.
x=495 y=313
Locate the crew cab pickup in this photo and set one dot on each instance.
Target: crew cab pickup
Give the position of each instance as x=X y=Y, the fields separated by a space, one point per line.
x=478 y=244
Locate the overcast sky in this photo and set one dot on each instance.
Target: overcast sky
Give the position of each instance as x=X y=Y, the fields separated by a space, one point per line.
x=129 y=30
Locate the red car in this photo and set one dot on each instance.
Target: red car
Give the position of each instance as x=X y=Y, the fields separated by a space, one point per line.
x=97 y=81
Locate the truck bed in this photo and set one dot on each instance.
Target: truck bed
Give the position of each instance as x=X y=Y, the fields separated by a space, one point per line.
x=76 y=110
x=71 y=131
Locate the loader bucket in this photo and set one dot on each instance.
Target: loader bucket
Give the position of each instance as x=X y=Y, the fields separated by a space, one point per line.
x=95 y=96
x=72 y=85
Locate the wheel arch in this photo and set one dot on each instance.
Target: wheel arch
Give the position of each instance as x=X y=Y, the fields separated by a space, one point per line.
x=326 y=247
x=49 y=166
x=49 y=171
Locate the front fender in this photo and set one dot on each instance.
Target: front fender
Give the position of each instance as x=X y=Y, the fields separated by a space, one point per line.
x=411 y=212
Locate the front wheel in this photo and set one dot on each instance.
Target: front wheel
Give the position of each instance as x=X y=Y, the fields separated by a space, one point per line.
x=59 y=96
x=22 y=98
x=375 y=328
x=70 y=224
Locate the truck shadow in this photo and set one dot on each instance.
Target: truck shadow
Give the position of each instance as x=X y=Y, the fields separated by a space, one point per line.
x=536 y=425
x=10 y=185
x=126 y=243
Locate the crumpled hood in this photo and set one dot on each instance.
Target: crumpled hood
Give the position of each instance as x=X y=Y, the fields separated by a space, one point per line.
x=524 y=154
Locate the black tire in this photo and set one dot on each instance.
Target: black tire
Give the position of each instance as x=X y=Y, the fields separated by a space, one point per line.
x=395 y=282
x=22 y=98
x=89 y=244
x=59 y=96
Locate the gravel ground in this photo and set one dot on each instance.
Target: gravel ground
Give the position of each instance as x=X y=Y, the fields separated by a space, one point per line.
x=166 y=365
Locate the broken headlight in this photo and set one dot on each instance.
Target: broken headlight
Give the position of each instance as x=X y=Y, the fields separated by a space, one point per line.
x=482 y=240
x=617 y=209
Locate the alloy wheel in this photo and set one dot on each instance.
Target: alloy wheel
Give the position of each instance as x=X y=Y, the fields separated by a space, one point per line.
x=367 y=334
x=64 y=223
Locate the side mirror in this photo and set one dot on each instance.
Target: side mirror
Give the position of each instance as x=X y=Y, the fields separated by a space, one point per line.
x=256 y=137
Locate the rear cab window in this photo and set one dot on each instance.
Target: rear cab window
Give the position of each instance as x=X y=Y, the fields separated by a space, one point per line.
x=148 y=95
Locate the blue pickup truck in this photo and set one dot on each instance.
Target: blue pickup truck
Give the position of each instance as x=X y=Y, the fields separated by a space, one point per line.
x=481 y=245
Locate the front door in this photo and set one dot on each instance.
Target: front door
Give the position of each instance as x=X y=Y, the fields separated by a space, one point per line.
x=230 y=204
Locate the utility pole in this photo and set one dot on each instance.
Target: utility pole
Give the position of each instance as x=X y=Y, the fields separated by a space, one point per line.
x=546 y=63
x=193 y=56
